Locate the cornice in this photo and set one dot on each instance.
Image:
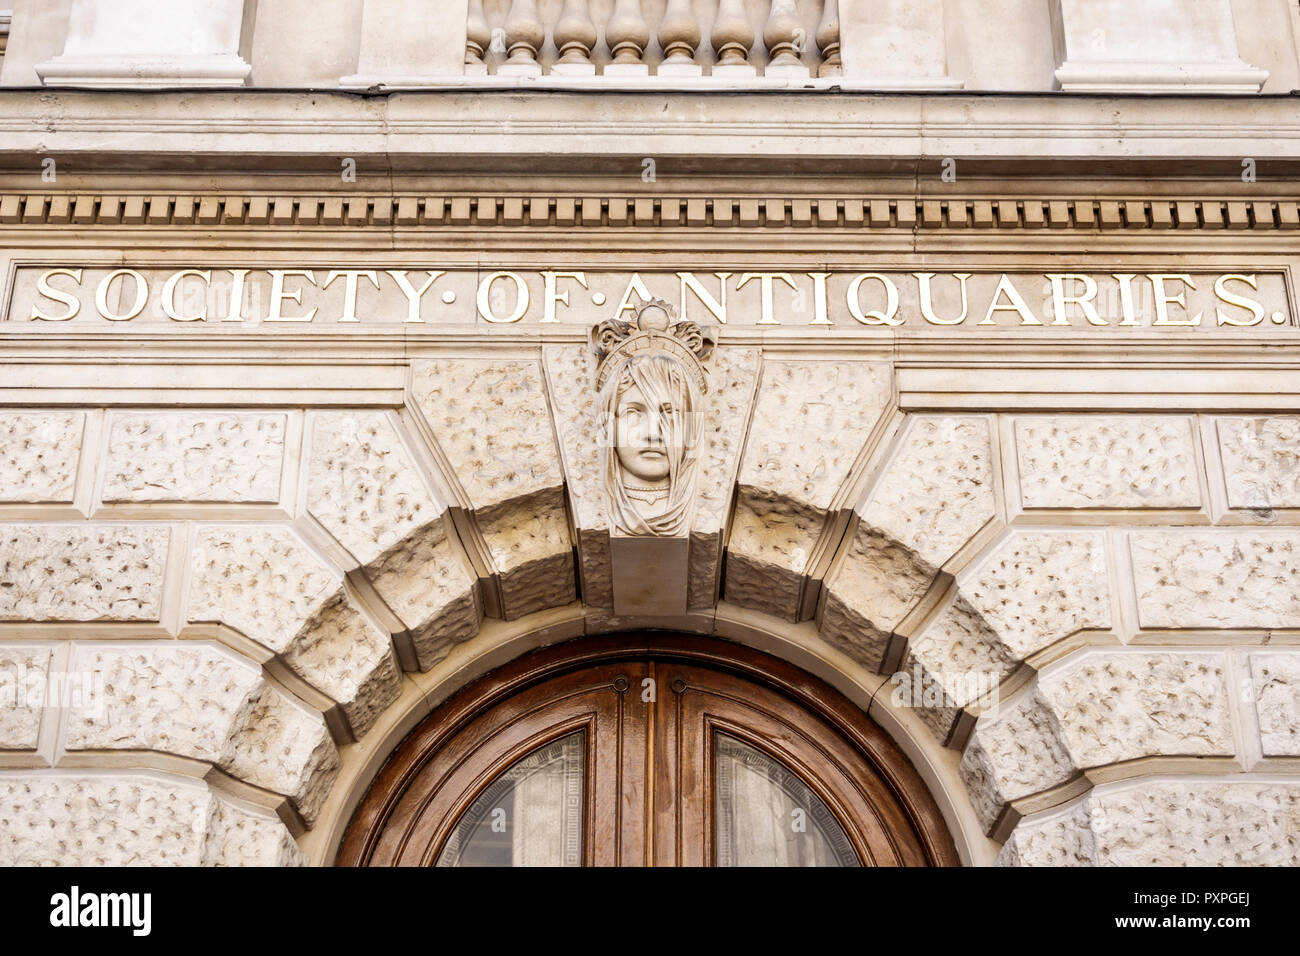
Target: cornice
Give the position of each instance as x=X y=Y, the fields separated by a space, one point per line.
x=1163 y=136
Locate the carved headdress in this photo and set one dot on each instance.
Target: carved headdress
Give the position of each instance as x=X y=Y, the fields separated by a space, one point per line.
x=663 y=360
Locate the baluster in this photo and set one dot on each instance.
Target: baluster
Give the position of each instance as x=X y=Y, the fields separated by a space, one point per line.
x=828 y=40
x=627 y=35
x=732 y=36
x=575 y=35
x=525 y=34
x=679 y=36
x=477 y=38
x=784 y=37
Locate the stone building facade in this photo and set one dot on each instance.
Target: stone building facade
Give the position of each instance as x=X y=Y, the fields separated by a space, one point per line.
x=998 y=433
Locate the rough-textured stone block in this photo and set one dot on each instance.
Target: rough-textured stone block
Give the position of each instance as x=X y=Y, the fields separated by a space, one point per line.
x=195 y=456
x=1261 y=461
x=363 y=486
x=81 y=572
x=1037 y=587
x=39 y=452
x=58 y=818
x=1107 y=461
x=199 y=702
x=493 y=425
x=1124 y=705
x=958 y=650
x=1157 y=823
x=265 y=583
x=937 y=491
x=811 y=422
x=23 y=693
x=1014 y=752
x=1275 y=677
x=1222 y=578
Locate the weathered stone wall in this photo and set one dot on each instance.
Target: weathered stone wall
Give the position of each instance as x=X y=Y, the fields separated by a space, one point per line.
x=1098 y=612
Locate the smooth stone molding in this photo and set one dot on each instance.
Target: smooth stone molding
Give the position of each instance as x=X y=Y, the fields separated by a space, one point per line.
x=895 y=45
x=134 y=819
x=1163 y=46
x=142 y=43
x=1165 y=823
x=409 y=44
x=39 y=454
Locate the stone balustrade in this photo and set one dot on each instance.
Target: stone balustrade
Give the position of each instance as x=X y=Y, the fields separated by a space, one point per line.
x=787 y=39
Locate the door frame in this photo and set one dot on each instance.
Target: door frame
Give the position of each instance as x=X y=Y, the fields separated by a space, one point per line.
x=868 y=738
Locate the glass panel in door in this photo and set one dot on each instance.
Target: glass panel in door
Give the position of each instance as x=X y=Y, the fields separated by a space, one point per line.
x=530 y=815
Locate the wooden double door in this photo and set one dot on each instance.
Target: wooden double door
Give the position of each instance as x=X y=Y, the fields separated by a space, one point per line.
x=661 y=750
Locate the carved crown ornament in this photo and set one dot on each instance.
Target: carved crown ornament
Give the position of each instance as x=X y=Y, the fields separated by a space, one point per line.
x=650 y=383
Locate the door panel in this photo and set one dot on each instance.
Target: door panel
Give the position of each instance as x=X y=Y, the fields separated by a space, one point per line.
x=808 y=779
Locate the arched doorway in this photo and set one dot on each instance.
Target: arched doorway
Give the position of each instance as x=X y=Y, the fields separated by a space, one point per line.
x=647 y=749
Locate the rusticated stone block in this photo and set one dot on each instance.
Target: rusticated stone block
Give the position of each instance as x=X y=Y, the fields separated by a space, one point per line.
x=959 y=651
x=937 y=490
x=57 y=818
x=493 y=425
x=81 y=572
x=491 y=421
x=426 y=584
x=874 y=587
x=571 y=383
x=1016 y=750
x=1124 y=705
x=195 y=456
x=199 y=702
x=39 y=452
x=1107 y=461
x=1261 y=461
x=23 y=691
x=1164 y=823
x=363 y=486
x=1275 y=677
x=1221 y=578
x=264 y=582
x=810 y=424
x=1037 y=587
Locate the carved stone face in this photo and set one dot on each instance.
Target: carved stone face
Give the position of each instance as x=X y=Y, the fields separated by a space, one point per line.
x=641 y=446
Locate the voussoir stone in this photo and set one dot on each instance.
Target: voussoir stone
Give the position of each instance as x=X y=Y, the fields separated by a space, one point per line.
x=811 y=422
x=491 y=420
x=61 y=818
x=935 y=493
x=23 y=689
x=1220 y=578
x=39 y=454
x=197 y=701
x=1037 y=587
x=194 y=456
x=264 y=582
x=81 y=572
x=365 y=489
x=1107 y=461
x=1015 y=750
x=1261 y=461
x=1275 y=678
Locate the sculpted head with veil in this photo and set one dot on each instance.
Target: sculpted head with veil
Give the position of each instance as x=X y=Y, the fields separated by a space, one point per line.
x=651 y=383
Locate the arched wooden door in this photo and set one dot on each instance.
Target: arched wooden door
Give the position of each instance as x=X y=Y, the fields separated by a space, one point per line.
x=652 y=749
